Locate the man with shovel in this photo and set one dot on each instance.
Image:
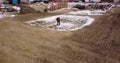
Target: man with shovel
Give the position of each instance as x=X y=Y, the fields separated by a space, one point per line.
x=58 y=20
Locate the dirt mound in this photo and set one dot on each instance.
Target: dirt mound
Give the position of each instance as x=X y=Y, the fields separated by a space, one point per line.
x=102 y=38
x=27 y=9
x=33 y=8
x=39 y=7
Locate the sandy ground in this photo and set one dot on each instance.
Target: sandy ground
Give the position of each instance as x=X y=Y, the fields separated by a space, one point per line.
x=97 y=43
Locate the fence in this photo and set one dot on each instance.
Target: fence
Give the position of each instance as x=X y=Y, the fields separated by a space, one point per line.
x=58 y=5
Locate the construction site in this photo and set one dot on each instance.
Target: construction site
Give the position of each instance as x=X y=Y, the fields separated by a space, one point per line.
x=60 y=31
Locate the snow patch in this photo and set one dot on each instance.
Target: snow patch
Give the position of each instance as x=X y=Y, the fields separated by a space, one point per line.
x=88 y=12
x=4 y=15
x=68 y=22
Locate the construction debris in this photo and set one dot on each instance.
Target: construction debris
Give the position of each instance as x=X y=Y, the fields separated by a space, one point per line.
x=92 y=8
x=9 y=10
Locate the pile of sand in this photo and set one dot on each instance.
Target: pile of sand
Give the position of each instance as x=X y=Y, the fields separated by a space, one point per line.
x=39 y=7
x=27 y=9
x=33 y=8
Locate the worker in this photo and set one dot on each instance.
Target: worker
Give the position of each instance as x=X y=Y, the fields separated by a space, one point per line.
x=58 y=20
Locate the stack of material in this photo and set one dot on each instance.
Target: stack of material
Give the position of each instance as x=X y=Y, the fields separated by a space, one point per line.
x=81 y=7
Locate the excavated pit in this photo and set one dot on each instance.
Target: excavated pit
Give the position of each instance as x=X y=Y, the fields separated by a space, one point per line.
x=68 y=22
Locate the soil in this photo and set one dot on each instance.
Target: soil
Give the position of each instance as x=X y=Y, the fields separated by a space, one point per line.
x=97 y=43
